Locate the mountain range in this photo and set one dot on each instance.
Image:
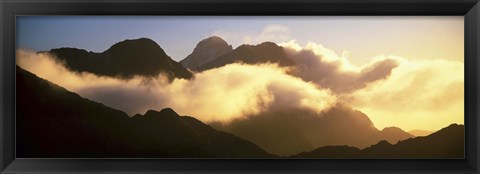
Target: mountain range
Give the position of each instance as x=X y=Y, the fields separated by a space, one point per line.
x=292 y=131
x=144 y=57
x=128 y=58
x=54 y=122
x=445 y=143
x=266 y=52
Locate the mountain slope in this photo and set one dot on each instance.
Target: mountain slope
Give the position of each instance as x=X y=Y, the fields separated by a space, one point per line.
x=125 y=59
x=445 y=143
x=289 y=132
x=53 y=122
x=206 y=50
x=261 y=53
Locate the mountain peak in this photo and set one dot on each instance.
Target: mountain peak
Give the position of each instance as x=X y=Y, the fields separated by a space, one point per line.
x=266 y=52
x=392 y=129
x=455 y=125
x=268 y=43
x=213 y=39
x=151 y=112
x=394 y=134
x=137 y=46
x=206 y=50
x=125 y=59
x=383 y=143
x=166 y=112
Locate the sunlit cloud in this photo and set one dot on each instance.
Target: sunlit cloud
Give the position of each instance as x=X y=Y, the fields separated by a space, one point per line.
x=391 y=90
x=131 y=96
x=236 y=90
x=324 y=67
x=222 y=94
x=427 y=94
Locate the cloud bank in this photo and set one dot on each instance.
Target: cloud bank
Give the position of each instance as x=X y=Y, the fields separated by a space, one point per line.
x=223 y=94
x=324 y=67
x=287 y=110
x=391 y=90
x=427 y=94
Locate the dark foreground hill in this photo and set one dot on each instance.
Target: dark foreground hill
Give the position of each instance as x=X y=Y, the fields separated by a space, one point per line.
x=125 y=59
x=251 y=54
x=53 y=122
x=289 y=132
x=445 y=143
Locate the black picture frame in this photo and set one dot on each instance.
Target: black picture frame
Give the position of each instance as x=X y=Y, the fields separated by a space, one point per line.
x=470 y=9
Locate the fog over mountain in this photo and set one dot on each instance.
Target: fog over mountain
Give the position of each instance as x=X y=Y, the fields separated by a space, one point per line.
x=290 y=131
x=54 y=122
x=98 y=131
x=234 y=90
x=286 y=99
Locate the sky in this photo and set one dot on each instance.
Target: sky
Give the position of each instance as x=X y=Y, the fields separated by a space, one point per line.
x=361 y=38
x=400 y=71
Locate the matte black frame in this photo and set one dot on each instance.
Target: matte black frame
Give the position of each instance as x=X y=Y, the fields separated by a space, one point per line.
x=468 y=8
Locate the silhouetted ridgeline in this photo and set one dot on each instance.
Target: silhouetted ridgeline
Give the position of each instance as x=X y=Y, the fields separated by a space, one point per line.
x=125 y=59
x=445 y=143
x=144 y=57
x=53 y=122
x=251 y=54
x=292 y=131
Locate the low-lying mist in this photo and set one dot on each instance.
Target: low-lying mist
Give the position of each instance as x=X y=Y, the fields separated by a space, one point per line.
x=222 y=94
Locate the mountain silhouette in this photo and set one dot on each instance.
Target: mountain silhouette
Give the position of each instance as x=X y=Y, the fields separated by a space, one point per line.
x=251 y=54
x=394 y=134
x=295 y=130
x=206 y=50
x=142 y=57
x=445 y=143
x=53 y=122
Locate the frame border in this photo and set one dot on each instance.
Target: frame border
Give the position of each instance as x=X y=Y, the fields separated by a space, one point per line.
x=470 y=9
